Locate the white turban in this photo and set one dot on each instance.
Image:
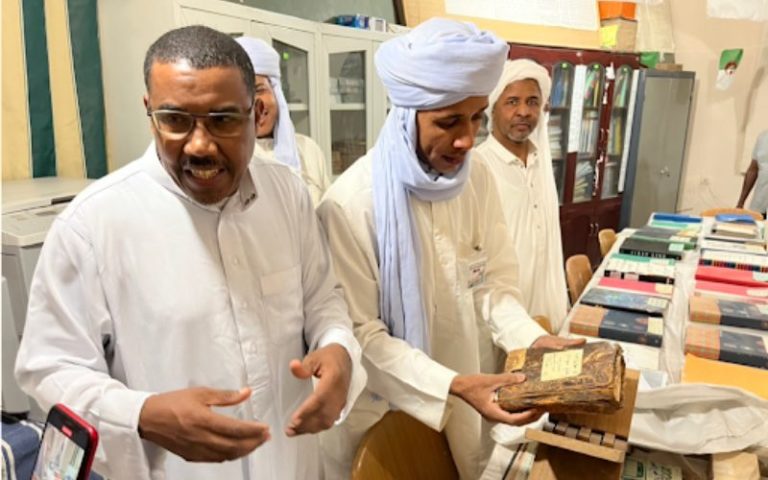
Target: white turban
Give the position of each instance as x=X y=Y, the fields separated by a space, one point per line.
x=266 y=62
x=439 y=63
x=515 y=70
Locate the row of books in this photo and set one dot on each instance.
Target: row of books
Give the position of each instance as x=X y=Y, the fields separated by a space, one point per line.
x=729 y=310
x=630 y=303
x=726 y=341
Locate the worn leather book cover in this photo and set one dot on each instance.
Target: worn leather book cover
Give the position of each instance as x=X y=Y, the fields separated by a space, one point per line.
x=587 y=379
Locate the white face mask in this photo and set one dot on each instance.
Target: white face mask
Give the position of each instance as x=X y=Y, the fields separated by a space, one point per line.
x=724 y=79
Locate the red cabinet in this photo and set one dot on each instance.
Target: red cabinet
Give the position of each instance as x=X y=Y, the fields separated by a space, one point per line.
x=589 y=110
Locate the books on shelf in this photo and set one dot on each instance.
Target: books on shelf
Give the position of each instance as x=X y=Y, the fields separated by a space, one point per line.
x=582 y=186
x=728 y=346
x=743 y=314
x=653 y=249
x=658 y=289
x=561 y=89
x=729 y=275
x=590 y=127
x=646 y=269
x=628 y=301
x=556 y=135
x=616 y=325
x=741 y=261
x=728 y=291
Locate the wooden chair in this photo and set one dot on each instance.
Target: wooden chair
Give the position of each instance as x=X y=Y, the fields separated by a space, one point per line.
x=400 y=447
x=544 y=322
x=606 y=237
x=578 y=272
x=735 y=211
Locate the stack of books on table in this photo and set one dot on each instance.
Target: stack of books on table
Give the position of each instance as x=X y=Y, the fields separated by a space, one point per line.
x=630 y=312
x=688 y=238
x=634 y=267
x=739 y=229
x=733 y=247
x=739 y=261
x=727 y=339
x=667 y=235
x=683 y=224
x=728 y=344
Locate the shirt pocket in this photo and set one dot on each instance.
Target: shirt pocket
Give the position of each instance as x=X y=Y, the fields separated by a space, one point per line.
x=472 y=263
x=283 y=301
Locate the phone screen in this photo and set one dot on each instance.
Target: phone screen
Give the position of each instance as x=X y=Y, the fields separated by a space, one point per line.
x=59 y=458
x=66 y=449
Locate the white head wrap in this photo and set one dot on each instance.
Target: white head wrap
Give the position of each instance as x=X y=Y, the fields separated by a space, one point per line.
x=266 y=62
x=515 y=70
x=439 y=63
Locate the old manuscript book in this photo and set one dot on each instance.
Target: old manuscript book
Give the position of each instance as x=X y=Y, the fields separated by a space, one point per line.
x=587 y=379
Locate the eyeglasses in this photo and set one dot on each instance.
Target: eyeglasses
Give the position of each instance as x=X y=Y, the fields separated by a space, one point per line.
x=176 y=125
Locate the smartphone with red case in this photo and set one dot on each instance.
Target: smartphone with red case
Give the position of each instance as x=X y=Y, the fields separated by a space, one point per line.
x=67 y=447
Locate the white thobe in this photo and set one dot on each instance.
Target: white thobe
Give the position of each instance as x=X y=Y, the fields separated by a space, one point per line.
x=139 y=289
x=530 y=203
x=314 y=170
x=473 y=319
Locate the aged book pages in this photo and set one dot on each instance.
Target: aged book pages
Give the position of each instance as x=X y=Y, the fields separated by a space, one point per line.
x=587 y=379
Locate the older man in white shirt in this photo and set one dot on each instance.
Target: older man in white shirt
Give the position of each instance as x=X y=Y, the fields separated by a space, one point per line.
x=277 y=137
x=422 y=250
x=517 y=152
x=175 y=297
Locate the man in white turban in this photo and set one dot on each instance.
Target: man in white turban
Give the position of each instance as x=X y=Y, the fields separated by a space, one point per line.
x=276 y=137
x=422 y=251
x=517 y=152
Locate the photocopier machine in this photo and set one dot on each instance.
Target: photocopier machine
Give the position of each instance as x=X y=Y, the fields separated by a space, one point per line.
x=29 y=208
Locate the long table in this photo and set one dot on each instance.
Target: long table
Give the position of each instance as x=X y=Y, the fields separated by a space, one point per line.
x=671 y=416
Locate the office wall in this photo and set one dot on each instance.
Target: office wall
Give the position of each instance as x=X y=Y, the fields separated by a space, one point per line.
x=725 y=123
x=322 y=10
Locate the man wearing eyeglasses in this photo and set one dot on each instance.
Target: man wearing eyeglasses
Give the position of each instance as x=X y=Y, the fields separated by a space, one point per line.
x=183 y=303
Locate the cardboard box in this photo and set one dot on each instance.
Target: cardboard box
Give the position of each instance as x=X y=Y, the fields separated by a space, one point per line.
x=624 y=10
x=618 y=34
x=735 y=466
x=669 y=67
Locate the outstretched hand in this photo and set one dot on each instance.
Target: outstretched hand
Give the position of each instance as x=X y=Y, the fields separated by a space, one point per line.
x=182 y=422
x=332 y=367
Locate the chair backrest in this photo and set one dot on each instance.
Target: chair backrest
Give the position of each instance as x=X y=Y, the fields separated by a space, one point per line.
x=606 y=237
x=400 y=447
x=578 y=272
x=736 y=211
